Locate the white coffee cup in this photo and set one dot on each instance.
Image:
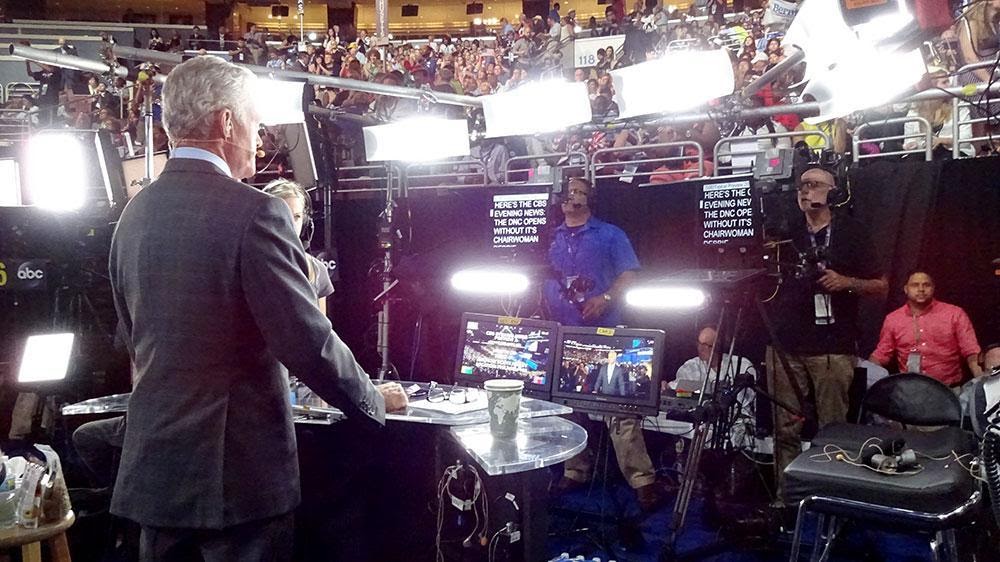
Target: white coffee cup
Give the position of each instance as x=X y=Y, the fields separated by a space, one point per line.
x=503 y=398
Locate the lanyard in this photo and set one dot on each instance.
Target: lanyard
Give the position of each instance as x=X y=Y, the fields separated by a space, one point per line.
x=829 y=236
x=572 y=241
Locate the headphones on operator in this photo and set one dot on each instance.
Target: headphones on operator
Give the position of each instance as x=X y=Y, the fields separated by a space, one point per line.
x=590 y=190
x=283 y=188
x=832 y=163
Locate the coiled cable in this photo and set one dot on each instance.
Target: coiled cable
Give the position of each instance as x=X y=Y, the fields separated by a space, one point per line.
x=991 y=466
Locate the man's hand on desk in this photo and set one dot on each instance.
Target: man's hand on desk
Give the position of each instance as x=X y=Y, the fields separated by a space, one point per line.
x=394 y=395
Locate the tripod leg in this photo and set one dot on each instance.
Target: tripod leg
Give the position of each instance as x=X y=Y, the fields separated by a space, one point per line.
x=689 y=478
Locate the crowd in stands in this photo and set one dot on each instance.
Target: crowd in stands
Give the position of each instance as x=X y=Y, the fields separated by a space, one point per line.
x=532 y=48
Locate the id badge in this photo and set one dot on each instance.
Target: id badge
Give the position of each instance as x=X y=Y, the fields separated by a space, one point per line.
x=823 y=306
x=913 y=362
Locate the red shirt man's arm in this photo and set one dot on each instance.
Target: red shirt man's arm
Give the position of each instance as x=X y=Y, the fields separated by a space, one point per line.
x=968 y=345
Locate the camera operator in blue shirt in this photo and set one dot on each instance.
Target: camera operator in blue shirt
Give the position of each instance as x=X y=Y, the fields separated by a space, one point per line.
x=592 y=265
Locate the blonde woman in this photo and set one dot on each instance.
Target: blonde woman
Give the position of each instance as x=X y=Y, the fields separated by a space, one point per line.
x=297 y=199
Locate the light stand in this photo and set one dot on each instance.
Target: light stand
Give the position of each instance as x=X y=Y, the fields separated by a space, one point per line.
x=301 y=5
x=385 y=237
x=147 y=120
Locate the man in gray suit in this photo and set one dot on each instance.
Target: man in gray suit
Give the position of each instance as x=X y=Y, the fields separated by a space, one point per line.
x=611 y=377
x=210 y=285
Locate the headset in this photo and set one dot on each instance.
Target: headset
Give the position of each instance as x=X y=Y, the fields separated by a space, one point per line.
x=831 y=162
x=282 y=188
x=564 y=194
x=895 y=458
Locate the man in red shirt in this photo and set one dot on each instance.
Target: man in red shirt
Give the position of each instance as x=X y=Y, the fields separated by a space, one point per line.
x=928 y=336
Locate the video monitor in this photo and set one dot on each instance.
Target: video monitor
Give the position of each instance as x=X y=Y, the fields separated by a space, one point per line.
x=503 y=347
x=585 y=382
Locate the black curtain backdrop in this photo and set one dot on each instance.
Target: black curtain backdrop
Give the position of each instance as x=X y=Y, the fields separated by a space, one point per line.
x=943 y=216
x=961 y=239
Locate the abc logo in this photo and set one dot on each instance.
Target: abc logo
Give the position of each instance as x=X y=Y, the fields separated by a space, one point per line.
x=26 y=272
x=330 y=265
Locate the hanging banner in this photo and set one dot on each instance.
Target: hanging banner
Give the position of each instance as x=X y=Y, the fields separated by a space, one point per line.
x=780 y=12
x=381 y=18
x=585 y=50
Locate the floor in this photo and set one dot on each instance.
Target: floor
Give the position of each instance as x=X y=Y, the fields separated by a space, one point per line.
x=575 y=530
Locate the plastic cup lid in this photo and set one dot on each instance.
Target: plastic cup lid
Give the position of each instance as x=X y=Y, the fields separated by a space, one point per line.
x=503 y=384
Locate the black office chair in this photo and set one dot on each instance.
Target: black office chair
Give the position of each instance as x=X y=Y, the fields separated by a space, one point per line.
x=984 y=411
x=935 y=499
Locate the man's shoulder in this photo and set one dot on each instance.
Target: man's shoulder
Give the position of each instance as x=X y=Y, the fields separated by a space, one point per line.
x=196 y=182
x=898 y=314
x=942 y=307
x=845 y=222
x=605 y=227
x=692 y=362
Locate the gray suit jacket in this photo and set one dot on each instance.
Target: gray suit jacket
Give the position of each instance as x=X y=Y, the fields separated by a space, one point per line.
x=210 y=285
x=616 y=386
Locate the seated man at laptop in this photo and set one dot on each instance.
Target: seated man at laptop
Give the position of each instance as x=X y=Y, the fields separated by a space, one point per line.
x=693 y=372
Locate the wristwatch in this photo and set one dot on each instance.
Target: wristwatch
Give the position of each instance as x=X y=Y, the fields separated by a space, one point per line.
x=607 y=297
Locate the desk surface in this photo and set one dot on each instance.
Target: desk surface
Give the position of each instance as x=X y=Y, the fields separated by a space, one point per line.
x=323 y=413
x=543 y=438
x=315 y=411
x=111 y=404
x=530 y=408
x=539 y=442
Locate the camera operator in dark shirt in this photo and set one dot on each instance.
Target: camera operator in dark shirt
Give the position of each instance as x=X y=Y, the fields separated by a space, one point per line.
x=815 y=313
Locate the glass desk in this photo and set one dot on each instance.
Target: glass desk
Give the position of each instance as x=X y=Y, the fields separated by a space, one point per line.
x=312 y=409
x=112 y=404
x=315 y=411
x=539 y=442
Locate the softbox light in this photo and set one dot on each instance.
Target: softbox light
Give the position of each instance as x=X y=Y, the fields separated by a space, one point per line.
x=655 y=296
x=279 y=102
x=869 y=79
x=10 y=183
x=496 y=281
x=678 y=81
x=854 y=68
x=46 y=358
x=422 y=139
x=71 y=170
x=536 y=107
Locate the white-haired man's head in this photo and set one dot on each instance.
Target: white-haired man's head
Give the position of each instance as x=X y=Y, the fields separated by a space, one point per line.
x=210 y=103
